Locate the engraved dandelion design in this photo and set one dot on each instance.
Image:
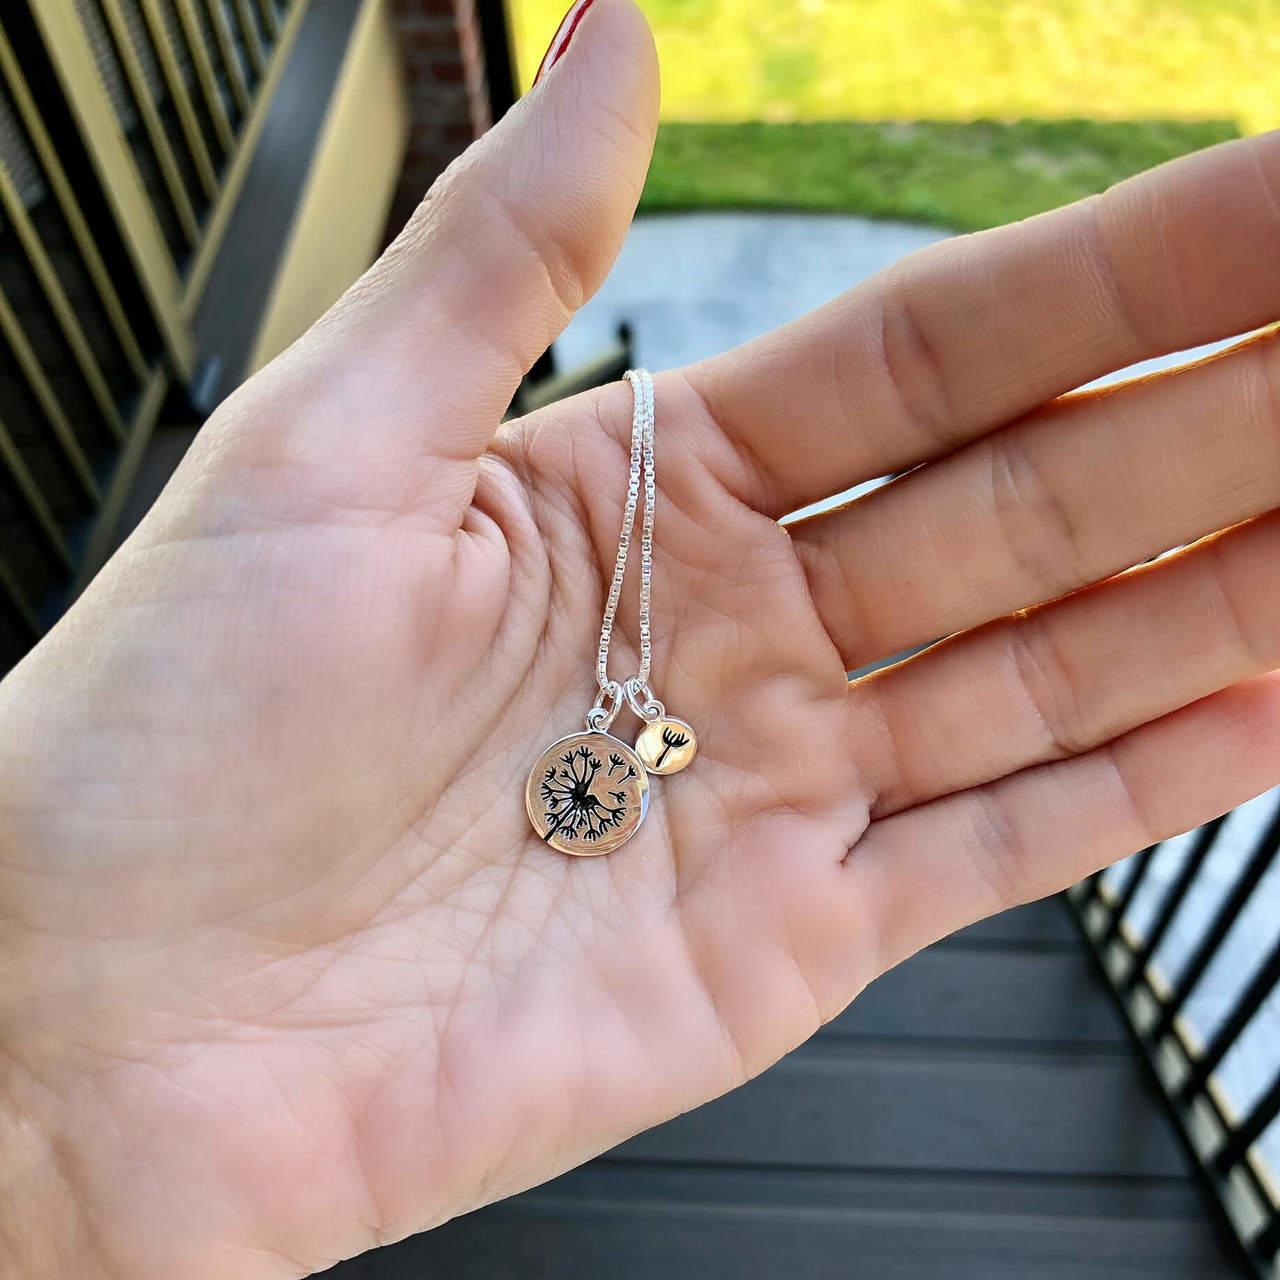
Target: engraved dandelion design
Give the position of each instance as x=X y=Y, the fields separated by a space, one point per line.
x=587 y=794
x=666 y=745
x=571 y=804
x=671 y=738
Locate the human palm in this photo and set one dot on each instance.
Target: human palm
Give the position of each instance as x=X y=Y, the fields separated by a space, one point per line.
x=286 y=973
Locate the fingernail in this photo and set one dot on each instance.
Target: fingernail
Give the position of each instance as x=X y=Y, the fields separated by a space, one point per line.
x=564 y=33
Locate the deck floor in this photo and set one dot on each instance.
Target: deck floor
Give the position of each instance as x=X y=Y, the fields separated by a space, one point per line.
x=978 y=1113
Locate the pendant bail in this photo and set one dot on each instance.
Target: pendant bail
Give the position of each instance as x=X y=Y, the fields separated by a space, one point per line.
x=641 y=700
x=604 y=710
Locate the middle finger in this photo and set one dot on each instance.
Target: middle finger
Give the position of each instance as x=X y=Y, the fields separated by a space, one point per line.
x=1082 y=489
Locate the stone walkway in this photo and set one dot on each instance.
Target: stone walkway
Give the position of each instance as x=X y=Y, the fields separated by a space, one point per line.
x=694 y=284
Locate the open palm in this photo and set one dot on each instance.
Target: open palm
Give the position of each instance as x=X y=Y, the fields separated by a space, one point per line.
x=285 y=973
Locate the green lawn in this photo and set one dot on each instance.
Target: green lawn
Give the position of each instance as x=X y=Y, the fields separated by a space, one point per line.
x=1018 y=105
x=962 y=176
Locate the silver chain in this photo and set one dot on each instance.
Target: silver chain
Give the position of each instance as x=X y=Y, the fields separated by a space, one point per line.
x=641 y=465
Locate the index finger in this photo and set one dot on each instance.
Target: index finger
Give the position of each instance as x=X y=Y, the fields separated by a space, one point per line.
x=967 y=334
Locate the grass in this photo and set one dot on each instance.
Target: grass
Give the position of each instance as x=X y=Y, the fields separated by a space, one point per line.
x=1020 y=104
x=961 y=176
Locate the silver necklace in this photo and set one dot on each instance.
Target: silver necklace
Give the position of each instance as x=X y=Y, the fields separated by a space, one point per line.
x=588 y=793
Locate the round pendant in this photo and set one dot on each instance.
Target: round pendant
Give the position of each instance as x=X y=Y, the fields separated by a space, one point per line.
x=666 y=745
x=587 y=794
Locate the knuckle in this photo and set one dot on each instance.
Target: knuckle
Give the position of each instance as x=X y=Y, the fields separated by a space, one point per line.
x=999 y=854
x=1233 y=614
x=1040 y=533
x=1047 y=687
x=1266 y=371
x=559 y=262
x=1119 y=290
x=912 y=362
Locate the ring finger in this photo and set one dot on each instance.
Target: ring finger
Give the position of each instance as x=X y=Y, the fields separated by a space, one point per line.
x=1057 y=681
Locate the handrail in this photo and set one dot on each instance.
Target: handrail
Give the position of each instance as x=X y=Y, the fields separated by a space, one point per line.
x=125 y=128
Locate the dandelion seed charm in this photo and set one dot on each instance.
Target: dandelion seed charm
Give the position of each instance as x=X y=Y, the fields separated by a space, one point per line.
x=666 y=745
x=589 y=792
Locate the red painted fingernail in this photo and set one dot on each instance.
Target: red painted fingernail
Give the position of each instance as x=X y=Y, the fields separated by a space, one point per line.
x=564 y=33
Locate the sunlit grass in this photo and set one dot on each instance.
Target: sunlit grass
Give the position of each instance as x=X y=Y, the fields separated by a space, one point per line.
x=968 y=112
x=961 y=176
x=954 y=59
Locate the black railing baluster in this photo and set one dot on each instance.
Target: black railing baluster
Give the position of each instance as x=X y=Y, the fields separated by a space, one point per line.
x=1228 y=1033
x=1238 y=1183
x=1250 y=1129
x=1267 y=1245
x=1141 y=861
x=14 y=600
x=1196 y=856
x=1091 y=889
x=1212 y=938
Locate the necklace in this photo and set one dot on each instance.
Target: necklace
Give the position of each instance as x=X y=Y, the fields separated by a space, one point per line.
x=588 y=793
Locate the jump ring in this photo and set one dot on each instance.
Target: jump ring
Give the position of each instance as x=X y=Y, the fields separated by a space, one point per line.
x=604 y=710
x=651 y=708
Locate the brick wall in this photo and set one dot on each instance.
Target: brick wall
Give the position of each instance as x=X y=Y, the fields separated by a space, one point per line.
x=448 y=92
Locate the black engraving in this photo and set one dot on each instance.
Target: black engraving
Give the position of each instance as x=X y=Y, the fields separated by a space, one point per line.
x=617 y=762
x=570 y=803
x=671 y=740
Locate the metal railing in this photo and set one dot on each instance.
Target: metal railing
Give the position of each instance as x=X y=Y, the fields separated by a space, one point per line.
x=1187 y=934
x=126 y=127
x=546 y=383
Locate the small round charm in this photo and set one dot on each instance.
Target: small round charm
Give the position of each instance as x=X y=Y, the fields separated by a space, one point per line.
x=666 y=745
x=587 y=794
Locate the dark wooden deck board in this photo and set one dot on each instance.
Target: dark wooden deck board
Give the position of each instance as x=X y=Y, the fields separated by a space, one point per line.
x=976 y=1114
x=1039 y=924
x=702 y=1223
x=889 y=1109
x=978 y=993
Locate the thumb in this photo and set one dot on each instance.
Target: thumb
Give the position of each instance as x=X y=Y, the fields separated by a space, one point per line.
x=413 y=367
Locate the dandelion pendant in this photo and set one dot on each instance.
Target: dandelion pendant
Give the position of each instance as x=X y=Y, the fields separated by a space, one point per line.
x=587 y=794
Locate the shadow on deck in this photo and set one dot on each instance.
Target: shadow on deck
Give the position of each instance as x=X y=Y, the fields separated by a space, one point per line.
x=977 y=1113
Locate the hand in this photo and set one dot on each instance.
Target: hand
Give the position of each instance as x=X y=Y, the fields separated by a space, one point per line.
x=283 y=971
